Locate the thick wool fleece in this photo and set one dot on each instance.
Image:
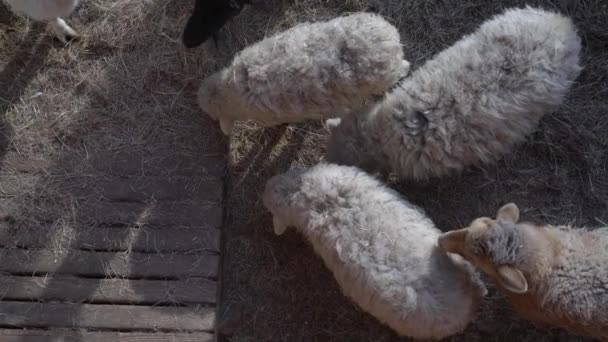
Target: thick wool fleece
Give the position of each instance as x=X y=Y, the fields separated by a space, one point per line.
x=311 y=71
x=381 y=249
x=43 y=10
x=574 y=294
x=468 y=105
x=564 y=270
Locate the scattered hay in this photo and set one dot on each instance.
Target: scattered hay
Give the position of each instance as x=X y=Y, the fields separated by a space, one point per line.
x=281 y=289
x=129 y=86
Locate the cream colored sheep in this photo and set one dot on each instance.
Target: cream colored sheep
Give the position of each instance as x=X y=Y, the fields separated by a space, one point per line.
x=311 y=71
x=468 y=105
x=381 y=249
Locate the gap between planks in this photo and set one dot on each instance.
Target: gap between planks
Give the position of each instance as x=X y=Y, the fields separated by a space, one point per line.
x=109 y=264
x=144 y=239
x=62 y=335
x=169 y=214
x=130 y=164
x=127 y=164
x=158 y=188
x=184 y=213
x=114 y=291
x=116 y=317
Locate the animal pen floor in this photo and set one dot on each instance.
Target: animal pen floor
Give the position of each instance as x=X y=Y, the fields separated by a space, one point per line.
x=114 y=187
x=111 y=182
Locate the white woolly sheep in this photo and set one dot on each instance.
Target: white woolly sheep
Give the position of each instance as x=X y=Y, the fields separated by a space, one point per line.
x=311 y=71
x=49 y=11
x=381 y=249
x=552 y=275
x=468 y=105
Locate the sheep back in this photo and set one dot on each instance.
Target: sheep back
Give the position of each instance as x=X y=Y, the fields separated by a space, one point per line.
x=471 y=103
x=381 y=249
x=576 y=291
x=311 y=71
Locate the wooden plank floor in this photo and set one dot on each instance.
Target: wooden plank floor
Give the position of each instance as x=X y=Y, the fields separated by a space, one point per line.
x=111 y=179
x=141 y=262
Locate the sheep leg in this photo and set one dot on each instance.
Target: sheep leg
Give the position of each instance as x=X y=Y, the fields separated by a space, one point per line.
x=405 y=68
x=466 y=267
x=62 y=31
x=384 y=172
x=278 y=225
x=226 y=126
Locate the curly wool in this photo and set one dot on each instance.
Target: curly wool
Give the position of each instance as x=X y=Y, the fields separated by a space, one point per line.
x=381 y=249
x=564 y=268
x=577 y=287
x=311 y=71
x=471 y=103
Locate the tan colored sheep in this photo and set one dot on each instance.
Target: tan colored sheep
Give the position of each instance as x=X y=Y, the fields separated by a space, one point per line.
x=553 y=275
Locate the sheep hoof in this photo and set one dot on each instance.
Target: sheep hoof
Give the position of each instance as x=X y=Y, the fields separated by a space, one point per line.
x=63 y=31
x=278 y=225
x=332 y=123
x=481 y=287
x=226 y=126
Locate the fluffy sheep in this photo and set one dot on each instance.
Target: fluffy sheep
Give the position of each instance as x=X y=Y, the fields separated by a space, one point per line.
x=207 y=19
x=381 y=249
x=48 y=11
x=553 y=275
x=468 y=105
x=311 y=71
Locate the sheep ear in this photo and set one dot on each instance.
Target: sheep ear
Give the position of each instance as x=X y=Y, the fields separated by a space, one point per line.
x=226 y=126
x=331 y=124
x=453 y=242
x=278 y=226
x=512 y=280
x=509 y=213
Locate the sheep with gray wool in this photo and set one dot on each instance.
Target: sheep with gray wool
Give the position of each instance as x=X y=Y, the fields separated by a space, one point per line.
x=311 y=71
x=468 y=105
x=554 y=275
x=381 y=249
x=49 y=11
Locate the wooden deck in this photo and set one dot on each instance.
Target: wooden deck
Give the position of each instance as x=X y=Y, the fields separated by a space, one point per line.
x=141 y=262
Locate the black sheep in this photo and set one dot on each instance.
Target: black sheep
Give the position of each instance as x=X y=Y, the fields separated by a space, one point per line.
x=208 y=18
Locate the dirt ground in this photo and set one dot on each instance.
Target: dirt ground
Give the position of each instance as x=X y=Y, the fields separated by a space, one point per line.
x=127 y=84
x=276 y=288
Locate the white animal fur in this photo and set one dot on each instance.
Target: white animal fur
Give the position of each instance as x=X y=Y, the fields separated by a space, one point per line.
x=381 y=249
x=49 y=11
x=468 y=105
x=311 y=71
x=552 y=275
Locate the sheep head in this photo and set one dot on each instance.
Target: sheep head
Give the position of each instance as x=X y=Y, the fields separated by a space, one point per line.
x=212 y=101
x=278 y=197
x=496 y=246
